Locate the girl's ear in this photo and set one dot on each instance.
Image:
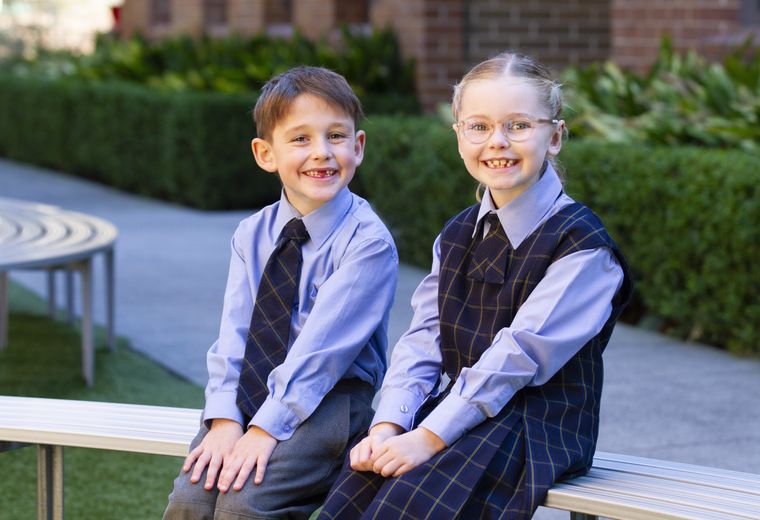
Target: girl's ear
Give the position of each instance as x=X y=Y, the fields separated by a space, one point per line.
x=264 y=155
x=459 y=142
x=555 y=142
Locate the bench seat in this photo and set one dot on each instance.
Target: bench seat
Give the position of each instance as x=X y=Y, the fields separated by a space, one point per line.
x=618 y=486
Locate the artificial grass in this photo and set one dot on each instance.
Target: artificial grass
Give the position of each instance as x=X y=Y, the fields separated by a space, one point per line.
x=42 y=359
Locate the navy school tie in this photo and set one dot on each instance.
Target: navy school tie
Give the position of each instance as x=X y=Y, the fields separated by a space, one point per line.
x=269 y=332
x=487 y=263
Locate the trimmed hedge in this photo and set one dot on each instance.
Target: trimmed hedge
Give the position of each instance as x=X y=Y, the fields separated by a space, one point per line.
x=687 y=218
x=192 y=148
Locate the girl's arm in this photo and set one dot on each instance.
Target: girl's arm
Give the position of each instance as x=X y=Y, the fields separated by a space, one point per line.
x=567 y=308
x=415 y=367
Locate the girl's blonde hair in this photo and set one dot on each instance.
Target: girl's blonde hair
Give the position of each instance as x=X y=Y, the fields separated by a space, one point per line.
x=519 y=66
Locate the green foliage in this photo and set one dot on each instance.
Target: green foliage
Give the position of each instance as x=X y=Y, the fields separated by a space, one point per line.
x=191 y=147
x=685 y=217
x=43 y=359
x=414 y=177
x=682 y=99
x=371 y=63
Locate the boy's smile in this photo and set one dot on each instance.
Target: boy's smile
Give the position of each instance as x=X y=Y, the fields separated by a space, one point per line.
x=314 y=149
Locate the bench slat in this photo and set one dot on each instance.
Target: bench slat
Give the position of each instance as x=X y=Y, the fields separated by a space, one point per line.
x=618 y=486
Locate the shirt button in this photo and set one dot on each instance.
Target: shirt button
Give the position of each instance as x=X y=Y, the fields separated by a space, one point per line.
x=287 y=427
x=404 y=408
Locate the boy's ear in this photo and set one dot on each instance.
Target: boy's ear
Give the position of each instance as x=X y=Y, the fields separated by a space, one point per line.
x=555 y=143
x=264 y=155
x=359 y=142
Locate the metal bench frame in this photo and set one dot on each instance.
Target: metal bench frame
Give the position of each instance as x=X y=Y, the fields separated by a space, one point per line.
x=618 y=486
x=40 y=236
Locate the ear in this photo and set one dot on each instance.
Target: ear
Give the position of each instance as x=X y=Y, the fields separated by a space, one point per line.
x=555 y=141
x=359 y=142
x=264 y=155
x=459 y=139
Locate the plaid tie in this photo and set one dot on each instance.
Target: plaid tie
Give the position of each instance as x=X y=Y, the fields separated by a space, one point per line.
x=269 y=332
x=484 y=265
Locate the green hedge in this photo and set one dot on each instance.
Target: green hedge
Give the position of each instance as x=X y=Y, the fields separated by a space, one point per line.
x=687 y=218
x=192 y=148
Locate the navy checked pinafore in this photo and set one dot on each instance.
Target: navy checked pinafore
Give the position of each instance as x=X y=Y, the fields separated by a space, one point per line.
x=503 y=467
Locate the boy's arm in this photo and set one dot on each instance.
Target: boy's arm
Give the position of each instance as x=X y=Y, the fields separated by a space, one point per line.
x=225 y=356
x=349 y=307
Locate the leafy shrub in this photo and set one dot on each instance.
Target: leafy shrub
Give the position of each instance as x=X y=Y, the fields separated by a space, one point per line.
x=685 y=217
x=192 y=148
x=682 y=99
x=371 y=63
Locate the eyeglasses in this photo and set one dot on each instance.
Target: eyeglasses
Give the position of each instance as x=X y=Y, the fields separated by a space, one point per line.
x=478 y=130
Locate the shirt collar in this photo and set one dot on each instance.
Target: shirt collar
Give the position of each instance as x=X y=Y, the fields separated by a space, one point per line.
x=521 y=216
x=321 y=222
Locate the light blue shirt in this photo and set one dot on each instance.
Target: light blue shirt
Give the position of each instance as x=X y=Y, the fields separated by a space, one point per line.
x=339 y=323
x=565 y=310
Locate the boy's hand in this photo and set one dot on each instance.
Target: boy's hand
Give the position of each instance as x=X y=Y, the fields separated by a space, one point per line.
x=362 y=456
x=402 y=453
x=252 y=450
x=213 y=450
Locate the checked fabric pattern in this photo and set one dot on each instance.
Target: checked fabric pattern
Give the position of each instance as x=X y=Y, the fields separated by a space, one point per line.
x=485 y=265
x=502 y=468
x=269 y=332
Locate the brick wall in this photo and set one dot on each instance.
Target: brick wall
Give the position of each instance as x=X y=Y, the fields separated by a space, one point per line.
x=556 y=32
x=430 y=31
x=707 y=26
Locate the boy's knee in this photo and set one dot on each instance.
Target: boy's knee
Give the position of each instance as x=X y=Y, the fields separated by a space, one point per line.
x=188 y=500
x=181 y=509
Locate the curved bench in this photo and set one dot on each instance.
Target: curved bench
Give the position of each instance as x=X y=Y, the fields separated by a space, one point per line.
x=40 y=236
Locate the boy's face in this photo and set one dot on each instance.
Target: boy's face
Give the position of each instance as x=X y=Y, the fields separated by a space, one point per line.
x=315 y=150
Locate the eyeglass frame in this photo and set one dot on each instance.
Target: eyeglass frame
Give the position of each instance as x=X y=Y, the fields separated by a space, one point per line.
x=500 y=124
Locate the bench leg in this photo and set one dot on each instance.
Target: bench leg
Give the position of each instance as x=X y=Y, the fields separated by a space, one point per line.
x=582 y=516
x=69 y=295
x=3 y=309
x=88 y=343
x=110 y=283
x=51 y=292
x=49 y=482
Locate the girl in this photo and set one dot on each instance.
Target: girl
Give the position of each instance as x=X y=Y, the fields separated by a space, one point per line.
x=524 y=291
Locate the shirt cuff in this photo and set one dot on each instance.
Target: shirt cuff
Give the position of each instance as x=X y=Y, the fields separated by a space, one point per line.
x=398 y=406
x=221 y=405
x=452 y=418
x=276 y=419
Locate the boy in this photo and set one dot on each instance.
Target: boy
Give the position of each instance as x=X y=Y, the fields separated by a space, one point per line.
x=292 y=376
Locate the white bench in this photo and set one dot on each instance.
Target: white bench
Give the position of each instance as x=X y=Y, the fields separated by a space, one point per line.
x=618 y=486
x=40 y=236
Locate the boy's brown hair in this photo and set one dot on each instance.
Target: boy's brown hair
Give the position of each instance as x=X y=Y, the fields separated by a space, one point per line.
x=278 y=94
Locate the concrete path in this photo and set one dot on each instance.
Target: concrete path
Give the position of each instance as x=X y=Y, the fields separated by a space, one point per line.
x=663 y=398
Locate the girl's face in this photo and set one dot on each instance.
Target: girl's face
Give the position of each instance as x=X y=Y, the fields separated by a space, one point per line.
x=506 y=168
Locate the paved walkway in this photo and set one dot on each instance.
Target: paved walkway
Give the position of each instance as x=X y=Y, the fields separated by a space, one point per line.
x=663 y=398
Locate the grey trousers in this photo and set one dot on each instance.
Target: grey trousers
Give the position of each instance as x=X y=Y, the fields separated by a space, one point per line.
x=300 y=472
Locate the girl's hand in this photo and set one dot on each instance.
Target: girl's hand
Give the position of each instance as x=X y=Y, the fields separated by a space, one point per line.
x=213 y=451
x=402 y=453
x=362 y=456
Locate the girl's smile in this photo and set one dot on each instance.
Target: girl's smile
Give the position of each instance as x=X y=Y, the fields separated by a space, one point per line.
x=506 y=168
